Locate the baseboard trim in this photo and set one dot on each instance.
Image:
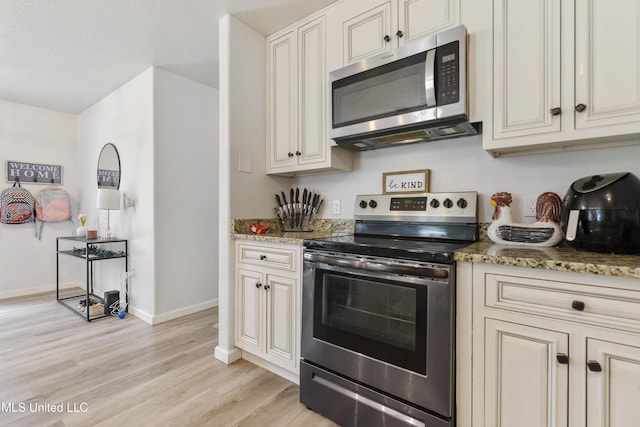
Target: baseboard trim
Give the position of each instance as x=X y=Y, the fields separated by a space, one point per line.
x=226 y=355
x=284 y=373
x=156 y=319
x=15 y=293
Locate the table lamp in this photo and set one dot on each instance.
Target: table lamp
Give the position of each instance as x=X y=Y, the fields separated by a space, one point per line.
x=109 y=199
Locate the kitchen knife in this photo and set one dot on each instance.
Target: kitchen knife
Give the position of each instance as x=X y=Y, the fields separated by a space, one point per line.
x=304 y=206
x=285 y=205
x=280 y=210
x=314 y=204
x=277 y=212
x=292 y=204
x=297 y=211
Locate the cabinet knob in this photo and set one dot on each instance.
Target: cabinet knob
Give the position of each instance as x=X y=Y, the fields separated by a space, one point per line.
x=594 y=366
x=387 y=38
x=562 y=358
x=266 y=287
x=555 y=111
x=263 y=257
x=298 y=153
x=399 y=34
x=580 y=108
x=258 y=285
x=577 y=305
x=290 y=154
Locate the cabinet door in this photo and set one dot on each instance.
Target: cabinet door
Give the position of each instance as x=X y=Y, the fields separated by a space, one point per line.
x=526 y=67
x=607 y=62
x=250 y=313
x=417 y=18
x=525 y=386
x=312 y=73
x=281 y=315
x=368 y=34
x=282 y=109
x=613 y=394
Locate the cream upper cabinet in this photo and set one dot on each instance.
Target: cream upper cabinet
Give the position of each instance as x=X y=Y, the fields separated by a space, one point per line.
x=549 y=348
x=526 y=67
x=562 y=78
x=607 y=63
x=281 y=101
x=373 y=28
x=297 y=121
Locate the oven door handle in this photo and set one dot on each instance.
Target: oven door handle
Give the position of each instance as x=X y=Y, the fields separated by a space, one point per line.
x=356 y=265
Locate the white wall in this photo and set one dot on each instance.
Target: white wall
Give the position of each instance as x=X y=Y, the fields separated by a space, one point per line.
x=461 y=165
x=165 y=129
x=242 y=132
x=35 y=135
x=124 y=118
x=186 y=195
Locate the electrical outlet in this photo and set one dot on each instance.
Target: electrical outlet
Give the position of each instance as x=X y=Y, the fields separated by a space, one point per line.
x=336 y=207
x=530 y=207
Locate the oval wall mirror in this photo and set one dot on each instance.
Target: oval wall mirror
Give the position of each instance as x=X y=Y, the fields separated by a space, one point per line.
x=109 y=167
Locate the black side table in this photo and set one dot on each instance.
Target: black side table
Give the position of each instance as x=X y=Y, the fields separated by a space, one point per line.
x=91 y=250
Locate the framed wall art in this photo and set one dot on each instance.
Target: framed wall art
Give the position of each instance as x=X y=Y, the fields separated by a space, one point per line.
x=413 y=181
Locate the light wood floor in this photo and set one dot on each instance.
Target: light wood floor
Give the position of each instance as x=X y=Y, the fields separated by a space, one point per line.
x=124 y=372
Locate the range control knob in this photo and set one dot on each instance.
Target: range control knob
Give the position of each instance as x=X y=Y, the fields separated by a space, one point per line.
x=447 y=203
x=363 y=204
x=373 y=204
x=434 y=203
x=462 y=203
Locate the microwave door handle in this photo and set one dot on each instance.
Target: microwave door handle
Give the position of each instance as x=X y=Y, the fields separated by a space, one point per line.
x=429 y=78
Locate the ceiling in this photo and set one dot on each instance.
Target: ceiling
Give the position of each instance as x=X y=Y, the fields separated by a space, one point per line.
x=66 y=55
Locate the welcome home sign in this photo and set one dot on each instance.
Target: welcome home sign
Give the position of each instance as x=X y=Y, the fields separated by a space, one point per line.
x=34 y=173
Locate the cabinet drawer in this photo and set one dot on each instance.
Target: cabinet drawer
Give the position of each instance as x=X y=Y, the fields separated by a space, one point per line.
x=574 y=301
x=267 y=256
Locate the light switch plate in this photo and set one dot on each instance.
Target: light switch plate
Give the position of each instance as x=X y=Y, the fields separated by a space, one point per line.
x=244 y=164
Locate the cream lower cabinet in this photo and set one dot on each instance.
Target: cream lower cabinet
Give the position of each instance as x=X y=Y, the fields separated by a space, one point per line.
x=551 y=348
x=267 y=309
x=525 y=385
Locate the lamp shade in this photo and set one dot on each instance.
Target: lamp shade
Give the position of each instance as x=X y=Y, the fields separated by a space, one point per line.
x=108 y=198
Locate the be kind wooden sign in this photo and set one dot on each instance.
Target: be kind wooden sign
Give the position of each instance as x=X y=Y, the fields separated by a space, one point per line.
x=415 y=181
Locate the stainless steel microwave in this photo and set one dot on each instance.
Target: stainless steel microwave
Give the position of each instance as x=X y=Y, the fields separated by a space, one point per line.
x=412 y=94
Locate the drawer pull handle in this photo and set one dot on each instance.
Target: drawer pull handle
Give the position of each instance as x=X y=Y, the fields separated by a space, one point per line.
x=580 y=108
x=555 y=111
x=258 y=285
x=562 y=358
x=263 y=257
x=594 y=366
x=387 y=38
x=266 y=287
x=577 y=305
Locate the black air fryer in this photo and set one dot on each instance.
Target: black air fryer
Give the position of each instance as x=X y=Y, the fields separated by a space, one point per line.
x=601 y=213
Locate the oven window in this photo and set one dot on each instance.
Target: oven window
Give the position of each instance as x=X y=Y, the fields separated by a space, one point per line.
x=383 y=320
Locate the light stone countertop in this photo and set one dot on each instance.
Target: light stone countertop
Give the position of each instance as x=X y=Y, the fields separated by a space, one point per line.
x=561 y=258
x=321 y=228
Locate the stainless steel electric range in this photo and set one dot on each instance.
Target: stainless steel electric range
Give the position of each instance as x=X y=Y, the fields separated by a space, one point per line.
x=378 y=312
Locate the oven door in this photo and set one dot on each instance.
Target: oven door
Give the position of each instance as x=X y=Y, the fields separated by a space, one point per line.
x=381 y=322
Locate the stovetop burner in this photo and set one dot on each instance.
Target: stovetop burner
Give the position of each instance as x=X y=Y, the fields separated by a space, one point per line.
x=426 y=227
x=377 y=246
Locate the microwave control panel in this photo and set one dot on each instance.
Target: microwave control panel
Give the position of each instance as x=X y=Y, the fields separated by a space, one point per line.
x=448 y=73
